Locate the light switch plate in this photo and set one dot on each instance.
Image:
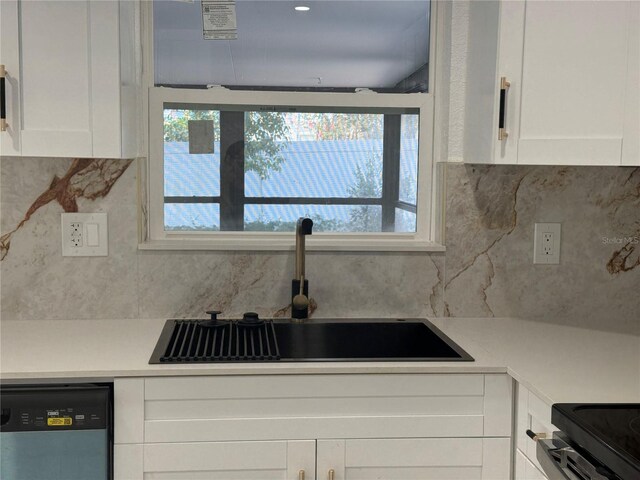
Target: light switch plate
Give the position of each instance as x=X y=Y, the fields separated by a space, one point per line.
x=546 y=243
x=84 y=235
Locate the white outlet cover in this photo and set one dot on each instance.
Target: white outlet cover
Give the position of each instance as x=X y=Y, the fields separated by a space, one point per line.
x=72 y=247
x=546 y=252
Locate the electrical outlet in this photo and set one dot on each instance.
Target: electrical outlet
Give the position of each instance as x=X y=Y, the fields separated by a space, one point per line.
x=84 y=235
x=546 y=243
x=75 y=235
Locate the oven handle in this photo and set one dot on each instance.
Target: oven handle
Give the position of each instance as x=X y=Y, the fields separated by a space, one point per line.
x=554 y=456
x=550 y=464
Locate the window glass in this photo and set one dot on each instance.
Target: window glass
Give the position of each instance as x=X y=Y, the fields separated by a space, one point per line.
x=405 y=221
x=350 y=171
x=185 y=217
x=409 y=159
x=338 y=44
x=317 y=155
x=188 y=174
x=326 y=218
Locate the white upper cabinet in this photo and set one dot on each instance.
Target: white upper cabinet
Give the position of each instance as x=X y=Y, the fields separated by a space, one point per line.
x=553 y=83
x=10 y=61
x=72 y=76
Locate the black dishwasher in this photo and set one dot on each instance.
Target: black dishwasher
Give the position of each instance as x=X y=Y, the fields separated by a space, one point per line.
x=56 y=432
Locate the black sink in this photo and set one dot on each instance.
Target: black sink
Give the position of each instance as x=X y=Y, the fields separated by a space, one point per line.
x=311 y=340
x=379 y=340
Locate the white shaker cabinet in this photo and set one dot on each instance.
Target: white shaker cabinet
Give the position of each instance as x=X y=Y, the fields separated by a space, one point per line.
x=275 y=460
x=72 y=78
x=413 y=458
x=532 y=413
x=10 y=64
x=324 y=427
x=553 y=83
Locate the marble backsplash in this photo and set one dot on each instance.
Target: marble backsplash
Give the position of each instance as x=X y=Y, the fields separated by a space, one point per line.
x=486 y=271
x=491 y=212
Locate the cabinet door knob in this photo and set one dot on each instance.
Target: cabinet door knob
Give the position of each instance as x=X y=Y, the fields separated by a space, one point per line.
x=332 y=474
x=502 y=130
x=301 y=475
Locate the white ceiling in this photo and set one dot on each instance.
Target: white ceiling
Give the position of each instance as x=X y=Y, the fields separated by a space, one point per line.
x=362 y=43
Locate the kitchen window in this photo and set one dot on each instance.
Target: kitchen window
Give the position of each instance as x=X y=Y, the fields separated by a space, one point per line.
x=234 y=166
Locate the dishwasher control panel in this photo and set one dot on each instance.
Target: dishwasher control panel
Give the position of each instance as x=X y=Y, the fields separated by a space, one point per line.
x=70 y=408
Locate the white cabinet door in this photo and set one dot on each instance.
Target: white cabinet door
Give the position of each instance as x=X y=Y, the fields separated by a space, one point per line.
x=631 y=139
x=55 y=48
x=10 y=59
x=531 y=414
x=414 y=459
x=573 y=74
x=278 y=460
x=73 y=92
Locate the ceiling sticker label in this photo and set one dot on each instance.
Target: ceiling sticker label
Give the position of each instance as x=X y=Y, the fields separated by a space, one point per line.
x=219 y=20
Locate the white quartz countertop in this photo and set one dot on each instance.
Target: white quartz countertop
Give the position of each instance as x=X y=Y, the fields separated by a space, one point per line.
x=558 y=363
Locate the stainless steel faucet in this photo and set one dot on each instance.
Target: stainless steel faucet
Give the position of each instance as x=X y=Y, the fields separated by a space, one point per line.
x=300 y=285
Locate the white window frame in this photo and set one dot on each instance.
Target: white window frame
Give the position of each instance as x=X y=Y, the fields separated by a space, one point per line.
x=428 y=220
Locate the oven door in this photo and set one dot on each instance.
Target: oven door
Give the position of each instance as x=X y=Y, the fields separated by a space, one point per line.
x=561 y=461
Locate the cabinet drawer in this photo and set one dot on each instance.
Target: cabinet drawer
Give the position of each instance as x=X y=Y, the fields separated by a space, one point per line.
x=198 y=409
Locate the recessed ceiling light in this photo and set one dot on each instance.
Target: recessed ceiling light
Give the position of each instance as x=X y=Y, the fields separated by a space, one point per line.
x=301 y=8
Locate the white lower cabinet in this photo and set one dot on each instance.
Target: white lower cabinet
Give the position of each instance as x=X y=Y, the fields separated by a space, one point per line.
x=413 y=459
x=532 y=413
x=324 y=427
x=274 y=460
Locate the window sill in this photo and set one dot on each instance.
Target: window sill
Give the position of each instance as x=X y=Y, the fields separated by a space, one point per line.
x=280 y=243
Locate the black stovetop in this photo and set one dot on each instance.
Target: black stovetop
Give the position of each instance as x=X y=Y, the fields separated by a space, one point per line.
x=609 y=432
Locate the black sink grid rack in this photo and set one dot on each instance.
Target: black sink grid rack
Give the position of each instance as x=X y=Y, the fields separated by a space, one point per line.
x=219 y=341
